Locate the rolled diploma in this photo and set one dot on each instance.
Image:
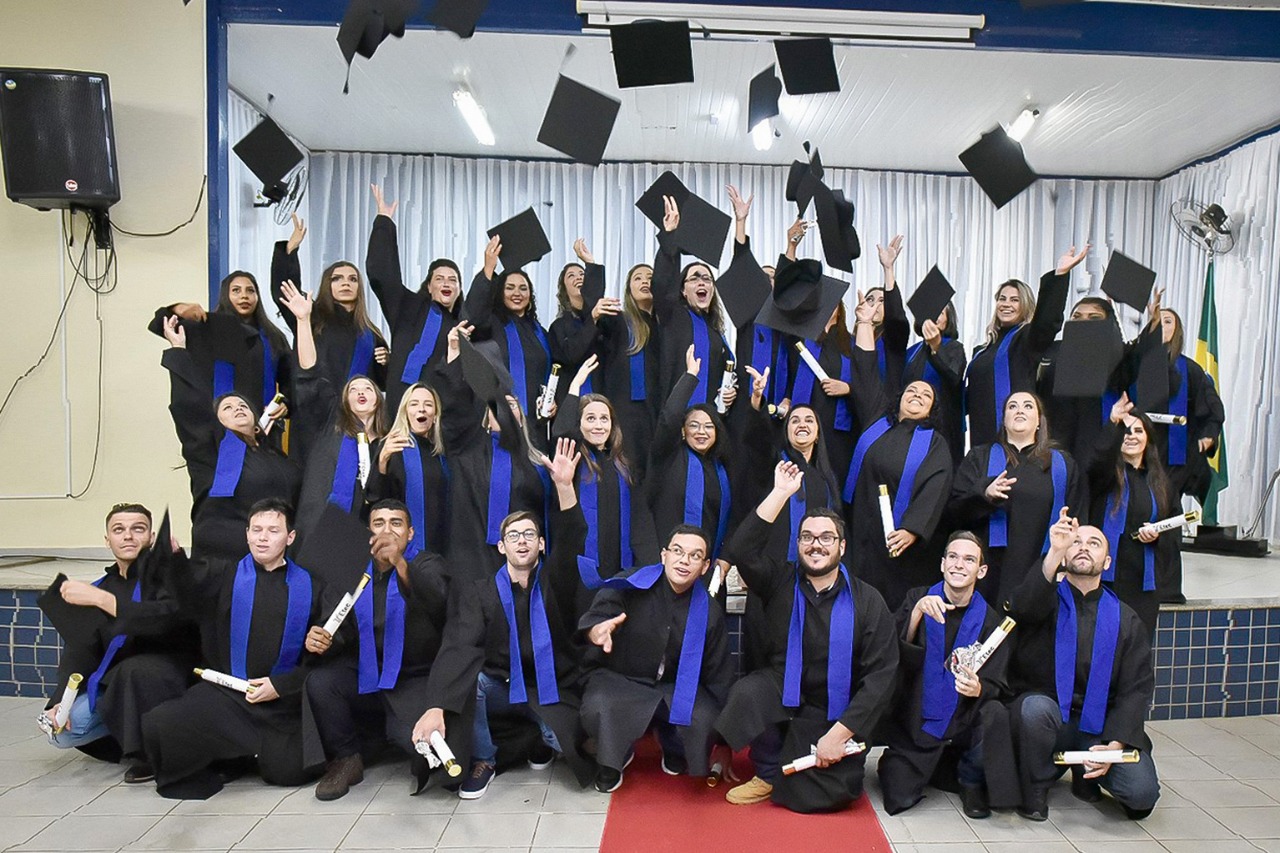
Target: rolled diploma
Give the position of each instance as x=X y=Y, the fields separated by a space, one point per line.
x=265 y=422
x=344 y=607
x=223 y=680
x=549 y=392
x=727 y=380
x=1162 y=418
x=1100 y=756
x=808 y=762
x=990 y=644
x=362 y=453
x=445 y=754
x=424 y=749
x=811 y=361
x=886 y=512
x=716 y=579
x=1173 y=522
x=68 y=699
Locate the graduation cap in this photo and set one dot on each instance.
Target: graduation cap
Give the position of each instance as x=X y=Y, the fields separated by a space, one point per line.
x=652 y=53
x=808 y=65
x=703 y=229
x=997 y=163
x=336 y=550
x=840 y=242
x=458 y=16
x=762 y=97
x=803 y=299
x=367 y=23
x=523 y=240
x=804 y=180
x=485 y=376
x=1090 y=351
x=270 y=154
x=744 y=288
x=931 y=297
x=1128 y=281
x=579 y=121
x=75 y=623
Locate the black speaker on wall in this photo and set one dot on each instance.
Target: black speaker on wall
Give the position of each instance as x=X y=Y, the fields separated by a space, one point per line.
x=56 y=139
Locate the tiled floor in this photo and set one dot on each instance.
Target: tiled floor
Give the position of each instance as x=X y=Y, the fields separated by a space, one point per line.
x=1221 y=781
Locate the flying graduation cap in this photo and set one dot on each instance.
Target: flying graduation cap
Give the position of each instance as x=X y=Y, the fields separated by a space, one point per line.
x=271 y=155
x=458 y=16
x=703 y=227
x=366 y=25
x=523 y=240
x=579 y=121
x=652 y=53
x=808 y=65
x=997 y=163
x=762 y=97
x=804 y=179
x=1128 y=281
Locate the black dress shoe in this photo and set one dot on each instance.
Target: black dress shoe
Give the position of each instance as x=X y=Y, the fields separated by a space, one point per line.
x=140 y=772
x=1136 y=814
x=608 y=780
x=1085 y=790
x=973 y=798
x=1035 y=805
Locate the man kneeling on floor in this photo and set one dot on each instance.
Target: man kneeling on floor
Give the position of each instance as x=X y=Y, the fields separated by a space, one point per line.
x=665 y=662
x=833 y=658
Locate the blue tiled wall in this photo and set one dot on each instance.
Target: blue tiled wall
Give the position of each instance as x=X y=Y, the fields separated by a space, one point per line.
x=29 y=647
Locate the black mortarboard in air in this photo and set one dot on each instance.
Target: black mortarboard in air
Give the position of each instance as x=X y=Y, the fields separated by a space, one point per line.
x=762 y=97
x=1128 y=281
x=931 y=297
x=523 y=240
x=997 y=163
x=744 y=288
x=652 y=53
x=840 y=244
x=808 y=65
x=367 y=23
x=486 y=378
x=270 y=154
x=1090 y=351
x=703 y=227
x=336 y=550
x=579 y=121
x=804 y=180
x=802 y=300
x=75 y=623
x=459 y=16
x=650 y=203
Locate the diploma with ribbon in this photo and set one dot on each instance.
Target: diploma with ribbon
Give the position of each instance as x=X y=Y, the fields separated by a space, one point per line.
x=548 y=396
x=345 y=604
x=975 y=655
x=267 y=420
x=728 y=380
x=68 y=699
x=437 y=753
x=362 y=454
x=221 y=679
x=886 y=516
x=811 y=362
x=1173 y=522
x=1097 y=756
x=808 y=762
x=1163 y=418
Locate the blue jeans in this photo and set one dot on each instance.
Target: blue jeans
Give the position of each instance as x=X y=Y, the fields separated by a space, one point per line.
x=492 y=698
x=83 y=726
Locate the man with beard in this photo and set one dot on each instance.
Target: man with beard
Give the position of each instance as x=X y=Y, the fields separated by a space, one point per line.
x=832 y=655
x=1095 y=693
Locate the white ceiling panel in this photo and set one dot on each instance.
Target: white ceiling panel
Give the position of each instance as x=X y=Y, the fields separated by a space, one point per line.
x=908 y=108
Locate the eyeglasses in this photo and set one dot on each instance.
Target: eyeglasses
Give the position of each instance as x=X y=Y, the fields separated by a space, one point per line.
x=696 y=426
x=699 y=276
x=514 y=536
x=680 y=553
x=826 y=538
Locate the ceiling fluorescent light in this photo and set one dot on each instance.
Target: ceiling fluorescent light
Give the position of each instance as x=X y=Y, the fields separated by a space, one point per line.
x=762 y=135
x=474 y=116
x=793 y=21
x=1022 y=124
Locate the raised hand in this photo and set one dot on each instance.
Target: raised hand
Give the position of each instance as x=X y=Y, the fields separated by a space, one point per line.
x=299 y=231
x=1062 y=532
x=192 y=311
x=864 y=312
x=584 y=254
x=601 y=634
x=461 y=330
x=384 y=209
x=396 y=442
x=1153 y=310
x=298 y=303
x=564 y=463
x=932 y=334
x=608 y=305
x=693 y=364
x=174 y=333
x=1121 y=408
x=1070 y=259
x=889 y=254
x=580 y=378
x=759 y=382
x=670 y=213
x=787 y=478
x=935 y=607
x=998 y=489
x=491 y=251
x=741 y=209
x=797 y=231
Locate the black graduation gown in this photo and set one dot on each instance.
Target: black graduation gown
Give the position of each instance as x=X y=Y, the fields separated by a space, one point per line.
x=949 y=364
x=426 y=599
x=574 y=336
x=218 y=524
x=883 y=465
x=636 y=415
x=839 y=439
x=894 y=334
x=755 y=702
x=477 y=639
x=435 y=487
x=471 y=463
x=407 y=311
x=1205 y=417
x=750 y=334
x=628 y=686
x=152 y=666
x=317 y=418
x=1029 y=509
x=336 y=342
x=913 y=754
x=1129 y=562
x=490 y=325
x=1024 y=357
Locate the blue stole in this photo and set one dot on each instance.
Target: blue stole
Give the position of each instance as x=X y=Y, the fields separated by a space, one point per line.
x=802 y=391
x=224 y=378
x=882 y=361
x=425 y=347
x=998 y=524
x=230 y=464
x=1178 y=406
x=636 y=364
x=113 y=647
x=702 y=350
x=415 y=495
x=1106 y=635
x=268 y=370
x=930 y=373
x=921 y=439
x=689 y=670
x=839 y=648
x=844 y=418
x=499 y=489
x=342 y=491
x=764 y=350
x=361 y=355
x=544 y=659
x=939 y=697
x=1002 y=378
x=642 y=578
x=515 y=358
x=869 y=437
x=371 y=680
x=295 y=620
x=796 y=508
x=695 y=496
x=1114 y=520
x=589 y=498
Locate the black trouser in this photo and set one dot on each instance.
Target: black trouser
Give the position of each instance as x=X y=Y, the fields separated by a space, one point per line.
x=346 y=717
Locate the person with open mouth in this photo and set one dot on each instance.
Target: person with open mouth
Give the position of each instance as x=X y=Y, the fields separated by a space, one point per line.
x=577 y=333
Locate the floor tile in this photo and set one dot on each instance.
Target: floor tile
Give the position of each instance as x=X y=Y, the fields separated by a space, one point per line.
x=14 y=772
x=393 y=798
x=961 y=847
x=1102 y=846
x=1252 y=822
x=15 y=830
x=1238 y=845
x=1215 y=792
x=1104 y=822
x=1270 y=787
x=574 y=800
x=505 y=799
x=83 y=770
x=89 y=832
x=569 y=830
x=195 y=832
x=1190 y=823
x=1008 y=826
x=303 y=800
x=396 y=832
x=1021 y=847
x=475 y=830
x=36 y=800
x=299 y=831
x=258 y=799
x=1261 y=766
x=928 y=827
x=1187 y=767
x=128 y=800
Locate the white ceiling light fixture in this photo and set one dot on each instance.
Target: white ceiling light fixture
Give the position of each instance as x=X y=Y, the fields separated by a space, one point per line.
x=769 y=20
x=762 y=135
x=1022 y=124
x=474 y=115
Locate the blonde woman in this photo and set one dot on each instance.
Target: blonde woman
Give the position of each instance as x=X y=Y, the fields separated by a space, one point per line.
x=411 y=467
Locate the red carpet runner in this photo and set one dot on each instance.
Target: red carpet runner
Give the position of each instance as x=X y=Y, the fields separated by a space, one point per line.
x=655 y=812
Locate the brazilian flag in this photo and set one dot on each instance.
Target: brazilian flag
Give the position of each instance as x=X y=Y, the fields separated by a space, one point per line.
x=1207 y=358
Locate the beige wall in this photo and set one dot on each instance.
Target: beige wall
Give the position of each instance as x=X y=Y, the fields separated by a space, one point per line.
x=153 y=52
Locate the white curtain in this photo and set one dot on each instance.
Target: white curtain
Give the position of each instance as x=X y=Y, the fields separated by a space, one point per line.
x=448 y=203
